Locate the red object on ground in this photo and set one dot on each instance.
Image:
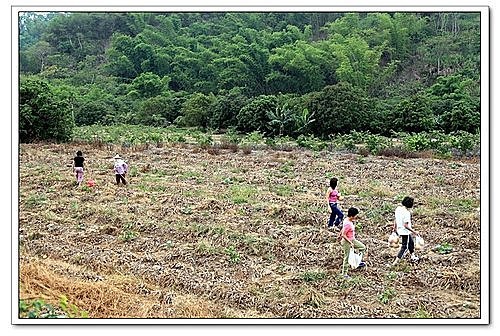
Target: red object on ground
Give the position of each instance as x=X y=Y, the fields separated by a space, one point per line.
x=90 y=183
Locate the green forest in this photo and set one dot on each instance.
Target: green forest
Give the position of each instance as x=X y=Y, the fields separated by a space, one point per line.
x=282 y=74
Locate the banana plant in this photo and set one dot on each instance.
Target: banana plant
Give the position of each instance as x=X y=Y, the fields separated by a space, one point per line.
x=281 y=117
x=303 y=120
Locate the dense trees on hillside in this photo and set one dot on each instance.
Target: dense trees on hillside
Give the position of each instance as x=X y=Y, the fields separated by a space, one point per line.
x=379 y=72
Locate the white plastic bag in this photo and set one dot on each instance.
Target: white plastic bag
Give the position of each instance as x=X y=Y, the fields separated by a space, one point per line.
x=419 y=243
x=354 y=258
x=393 y=238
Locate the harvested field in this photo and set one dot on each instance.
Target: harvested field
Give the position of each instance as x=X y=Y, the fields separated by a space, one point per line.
x=202 y=233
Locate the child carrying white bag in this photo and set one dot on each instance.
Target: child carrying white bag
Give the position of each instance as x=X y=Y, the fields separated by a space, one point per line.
x=349 y=243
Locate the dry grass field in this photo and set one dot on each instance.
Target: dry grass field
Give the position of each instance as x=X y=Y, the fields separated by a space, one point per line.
x=214 y=233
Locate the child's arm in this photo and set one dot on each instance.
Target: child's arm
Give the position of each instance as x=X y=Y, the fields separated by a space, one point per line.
x=410 y=229
x=328 y=199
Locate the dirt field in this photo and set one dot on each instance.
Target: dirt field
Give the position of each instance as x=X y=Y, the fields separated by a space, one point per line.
x=219 y=234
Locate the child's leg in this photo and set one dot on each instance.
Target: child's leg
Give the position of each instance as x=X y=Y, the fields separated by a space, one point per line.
x=402 y=251
x=346 y=247
x=359 y=246
x=117 y=176
x=79 y=174
x=404 y=246
x=340 y=215
x=411 y=244
x=332 y=214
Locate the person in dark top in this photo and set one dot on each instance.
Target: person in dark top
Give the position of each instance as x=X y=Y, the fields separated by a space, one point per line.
x=78 y=167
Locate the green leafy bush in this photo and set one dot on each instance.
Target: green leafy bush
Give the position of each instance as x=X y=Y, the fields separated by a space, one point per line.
x=197 y=110
x=465 y=142
x=155 y=138
x=152 y=112
x=338 y=109
x=231 y=136
x=417 y=142
x=455 y=100
x=43 y=113
x=376 y=143
x=254 y=140
x=226 y=108
x=303 y=121
x=345 y=141
x=311 y=142
x=440 y=142
x=281 y=120
x=284 y=143
x=414 y=114
x=38 y=308
x=94 y=105
x=463 y=116
x=204 y=139
x=255 y=115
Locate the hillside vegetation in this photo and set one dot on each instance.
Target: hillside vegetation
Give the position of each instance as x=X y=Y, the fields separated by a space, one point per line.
x=277 y=73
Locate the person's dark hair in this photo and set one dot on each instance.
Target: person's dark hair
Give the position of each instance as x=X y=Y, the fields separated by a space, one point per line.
x=79 y=153
x=333 y=182
x=407 y=202
x=352 y=212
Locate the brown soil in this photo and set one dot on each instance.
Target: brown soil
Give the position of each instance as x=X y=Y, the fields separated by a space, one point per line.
x=215 y=233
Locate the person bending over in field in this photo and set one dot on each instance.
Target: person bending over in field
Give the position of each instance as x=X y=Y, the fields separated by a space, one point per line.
x=348 y=240
x=78 y=167
x=402 y=226
x=332 y=198
x=121 y=169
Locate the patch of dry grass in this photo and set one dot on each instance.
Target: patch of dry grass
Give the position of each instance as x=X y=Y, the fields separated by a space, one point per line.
x=115 y=296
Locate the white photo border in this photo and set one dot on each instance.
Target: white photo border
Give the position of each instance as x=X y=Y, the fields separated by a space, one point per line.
x=485 y=262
